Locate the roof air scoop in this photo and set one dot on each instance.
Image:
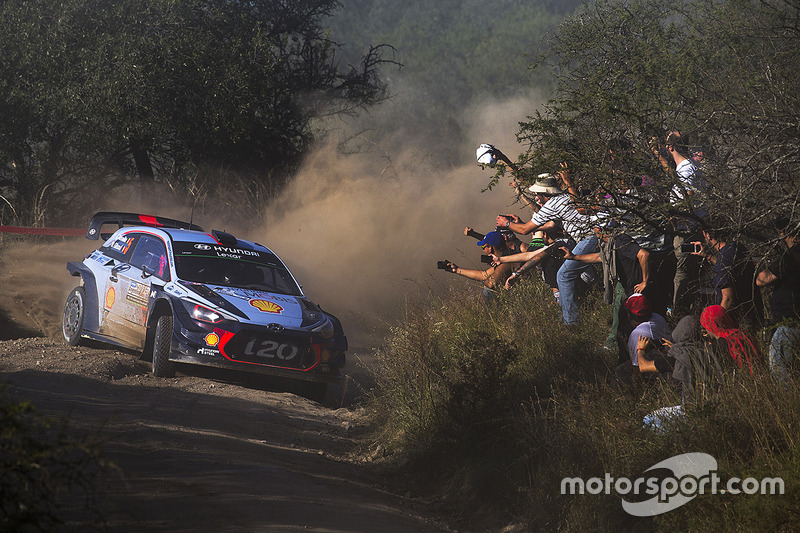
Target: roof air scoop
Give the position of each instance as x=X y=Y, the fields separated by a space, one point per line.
x=223 y=238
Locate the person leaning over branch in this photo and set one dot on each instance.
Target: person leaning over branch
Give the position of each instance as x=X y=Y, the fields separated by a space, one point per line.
x=688 y=186
x=557 y=206
x=494 y=276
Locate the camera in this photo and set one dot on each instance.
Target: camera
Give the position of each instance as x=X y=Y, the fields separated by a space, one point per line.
x=474 y=234
x=443 y=265
x=557 y=252
x=691 y=247
x=486 y=259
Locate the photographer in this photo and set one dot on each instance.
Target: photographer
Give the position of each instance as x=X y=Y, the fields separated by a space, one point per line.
x=557 y=206
x=513 y=244
x=494 y=276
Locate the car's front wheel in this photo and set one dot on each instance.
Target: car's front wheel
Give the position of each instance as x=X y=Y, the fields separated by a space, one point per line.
x=74 y=313
x=162 y=346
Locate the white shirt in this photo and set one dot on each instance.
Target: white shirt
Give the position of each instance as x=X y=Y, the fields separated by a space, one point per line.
x=561 y=209
x=656 y=328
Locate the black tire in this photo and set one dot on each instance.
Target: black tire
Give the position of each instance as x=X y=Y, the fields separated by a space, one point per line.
x=73 y=317
x=162 y=346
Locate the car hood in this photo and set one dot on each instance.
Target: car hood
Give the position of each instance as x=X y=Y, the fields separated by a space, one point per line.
x=262 y=306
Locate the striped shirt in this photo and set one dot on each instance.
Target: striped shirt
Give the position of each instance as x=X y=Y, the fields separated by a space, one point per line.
x=559 y=208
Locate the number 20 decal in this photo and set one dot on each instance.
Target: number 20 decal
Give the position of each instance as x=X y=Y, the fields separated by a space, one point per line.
x=271 y=350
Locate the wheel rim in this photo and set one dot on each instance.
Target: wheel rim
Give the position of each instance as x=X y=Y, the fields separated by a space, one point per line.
x=72 y=315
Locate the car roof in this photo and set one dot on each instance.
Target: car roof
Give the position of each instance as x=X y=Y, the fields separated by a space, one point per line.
x=182 y=235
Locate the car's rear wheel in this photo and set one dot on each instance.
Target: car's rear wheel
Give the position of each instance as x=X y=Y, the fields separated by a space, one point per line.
x=74 y=313
x=162 y=346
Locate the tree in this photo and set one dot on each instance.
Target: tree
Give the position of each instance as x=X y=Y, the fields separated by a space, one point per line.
x=95 y=92
x=723 y=73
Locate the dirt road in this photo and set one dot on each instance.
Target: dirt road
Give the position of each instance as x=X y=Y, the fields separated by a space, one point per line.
x=207 y=451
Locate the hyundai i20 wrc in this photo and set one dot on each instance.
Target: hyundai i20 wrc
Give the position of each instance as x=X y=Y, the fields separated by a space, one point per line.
x=182 y=295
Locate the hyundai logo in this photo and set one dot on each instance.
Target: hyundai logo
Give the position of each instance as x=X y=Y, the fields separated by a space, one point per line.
x=202 y=246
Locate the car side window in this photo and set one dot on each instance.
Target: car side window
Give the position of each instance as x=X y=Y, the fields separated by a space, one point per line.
x=122 y=247
x=150 y=255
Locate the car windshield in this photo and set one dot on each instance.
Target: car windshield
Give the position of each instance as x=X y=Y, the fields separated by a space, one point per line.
x=233 y=267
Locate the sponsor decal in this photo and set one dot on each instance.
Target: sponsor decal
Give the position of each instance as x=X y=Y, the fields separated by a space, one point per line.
x=202 y=246
x=212 y=339
x=249 y=294
x=127 y=246
x=138 y=294
x=271 y=350
x=111 y=295
x=207 y=351
x=266 y=306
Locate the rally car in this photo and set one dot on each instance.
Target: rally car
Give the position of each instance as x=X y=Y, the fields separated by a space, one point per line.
x=182 y=295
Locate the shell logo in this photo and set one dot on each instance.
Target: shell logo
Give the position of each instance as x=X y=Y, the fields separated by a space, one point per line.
x=266 y=306
x=111 y=295
x=212 y=339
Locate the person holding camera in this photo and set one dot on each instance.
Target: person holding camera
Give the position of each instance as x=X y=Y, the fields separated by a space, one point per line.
x=734 y=278
x=557 y=206
x=513 y=244
x=494 y=276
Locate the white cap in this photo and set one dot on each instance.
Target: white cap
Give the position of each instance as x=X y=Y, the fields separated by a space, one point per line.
x=484 y=154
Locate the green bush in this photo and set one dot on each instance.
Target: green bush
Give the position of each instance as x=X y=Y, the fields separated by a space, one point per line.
x=500 y=403
x=42 y=468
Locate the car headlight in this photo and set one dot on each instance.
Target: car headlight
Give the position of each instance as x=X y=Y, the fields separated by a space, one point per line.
x=203 y=313
x=324 y=330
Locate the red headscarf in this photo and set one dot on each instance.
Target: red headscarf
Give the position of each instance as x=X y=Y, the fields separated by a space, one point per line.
x=716 y=319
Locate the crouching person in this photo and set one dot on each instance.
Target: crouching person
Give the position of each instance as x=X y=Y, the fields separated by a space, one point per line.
x=641 y=321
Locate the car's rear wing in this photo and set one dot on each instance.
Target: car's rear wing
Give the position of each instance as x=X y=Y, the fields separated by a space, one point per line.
x=133 y=219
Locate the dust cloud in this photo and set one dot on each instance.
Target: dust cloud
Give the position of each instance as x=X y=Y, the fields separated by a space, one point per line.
x=361 y=232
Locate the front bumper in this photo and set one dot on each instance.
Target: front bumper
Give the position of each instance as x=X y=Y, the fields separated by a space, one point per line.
x=259 y=349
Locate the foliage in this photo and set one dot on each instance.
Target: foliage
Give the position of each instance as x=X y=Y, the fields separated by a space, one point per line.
x=40 y=464
x=454 y=54
x=722 y=73
x=558 y=411
x=95 y=92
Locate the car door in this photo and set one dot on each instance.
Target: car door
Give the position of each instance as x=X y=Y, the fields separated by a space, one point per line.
x=148 y=264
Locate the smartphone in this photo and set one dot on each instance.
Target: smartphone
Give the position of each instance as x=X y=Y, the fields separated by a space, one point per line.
x=691 y=247
x=475 y=235
x=486 y=259
x=443 y=265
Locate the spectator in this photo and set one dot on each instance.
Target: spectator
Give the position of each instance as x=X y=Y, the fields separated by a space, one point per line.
x=689 y=184
x=720 y=324
x=626 y=271
x=494 y=276
x=784 y=276
x=546 y=258
x=644 y=323
x=556 y=206
x=513 y=244
x=733 y=279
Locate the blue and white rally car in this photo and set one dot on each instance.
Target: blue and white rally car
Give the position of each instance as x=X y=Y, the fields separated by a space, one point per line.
x=180 y=294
